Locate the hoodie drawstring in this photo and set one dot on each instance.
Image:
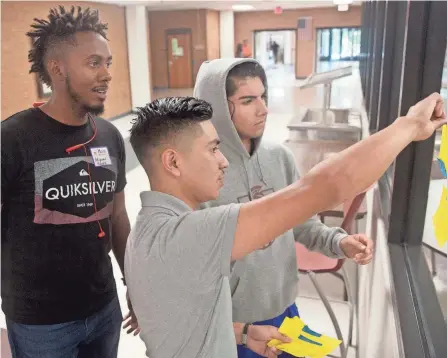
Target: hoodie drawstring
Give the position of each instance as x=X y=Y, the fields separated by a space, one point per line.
x=260 y=169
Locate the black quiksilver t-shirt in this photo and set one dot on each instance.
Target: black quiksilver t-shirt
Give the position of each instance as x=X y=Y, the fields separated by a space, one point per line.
x=54 y=266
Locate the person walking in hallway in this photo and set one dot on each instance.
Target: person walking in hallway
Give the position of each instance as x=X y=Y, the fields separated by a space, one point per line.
x=246 y=50
x=275 y=48
x=239 y=51
x=62 y=195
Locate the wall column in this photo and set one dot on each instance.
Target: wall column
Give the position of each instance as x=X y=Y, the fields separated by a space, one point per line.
x=227 y=48
x=138 y=52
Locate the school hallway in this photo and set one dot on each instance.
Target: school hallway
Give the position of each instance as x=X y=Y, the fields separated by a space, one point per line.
x=345 y=70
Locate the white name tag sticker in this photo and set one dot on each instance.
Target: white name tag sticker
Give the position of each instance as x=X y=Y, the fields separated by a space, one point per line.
x=101 y=156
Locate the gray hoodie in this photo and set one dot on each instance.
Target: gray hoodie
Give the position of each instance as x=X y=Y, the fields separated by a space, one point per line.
x=264 y=283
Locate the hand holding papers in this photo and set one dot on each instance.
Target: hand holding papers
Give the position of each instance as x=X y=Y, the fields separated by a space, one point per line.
x=305 y=342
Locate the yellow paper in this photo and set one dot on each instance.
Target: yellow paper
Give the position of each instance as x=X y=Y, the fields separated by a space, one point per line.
x=305 y=342
x=443 y=152
x=440 y=219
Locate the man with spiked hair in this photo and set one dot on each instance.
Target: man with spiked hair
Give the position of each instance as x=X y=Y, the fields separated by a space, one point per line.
x=63 y=207
x=179 y=259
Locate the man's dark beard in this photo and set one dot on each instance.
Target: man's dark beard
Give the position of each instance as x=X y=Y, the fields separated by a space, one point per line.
x=82 y=108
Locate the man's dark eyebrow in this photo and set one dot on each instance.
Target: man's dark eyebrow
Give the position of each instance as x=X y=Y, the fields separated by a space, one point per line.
x=251 y=97
x=96 y=56
x=214 y=142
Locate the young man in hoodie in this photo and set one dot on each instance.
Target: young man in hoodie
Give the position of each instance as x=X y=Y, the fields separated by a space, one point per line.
x=263 y=284
x=178 y=258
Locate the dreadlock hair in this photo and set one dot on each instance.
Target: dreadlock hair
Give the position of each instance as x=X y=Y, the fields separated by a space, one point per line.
x=61 y=27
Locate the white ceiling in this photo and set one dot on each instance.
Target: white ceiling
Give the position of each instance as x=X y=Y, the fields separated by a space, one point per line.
x=224 y=4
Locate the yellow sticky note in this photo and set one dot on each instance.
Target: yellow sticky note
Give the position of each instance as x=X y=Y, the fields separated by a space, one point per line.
x=305 y=342
x=440 y=219
x=443 y=152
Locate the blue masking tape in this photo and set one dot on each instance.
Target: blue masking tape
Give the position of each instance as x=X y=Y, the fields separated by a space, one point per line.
x=307 y=330
x=443 y=168
x=309 y=340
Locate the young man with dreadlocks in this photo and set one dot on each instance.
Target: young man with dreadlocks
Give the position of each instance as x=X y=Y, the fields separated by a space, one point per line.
x=63 y=208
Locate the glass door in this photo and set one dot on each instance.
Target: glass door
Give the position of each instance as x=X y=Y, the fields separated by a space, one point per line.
x=336 y=45
x=324 y=47
x=339 y=44
x=347 y=44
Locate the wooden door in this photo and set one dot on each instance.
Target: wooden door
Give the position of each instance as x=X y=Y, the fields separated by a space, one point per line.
x=179 y=60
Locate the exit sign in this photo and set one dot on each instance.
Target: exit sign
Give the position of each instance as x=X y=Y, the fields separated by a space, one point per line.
x=278 y=10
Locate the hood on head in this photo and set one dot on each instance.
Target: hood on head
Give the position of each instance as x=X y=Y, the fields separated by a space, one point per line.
x=210 y=86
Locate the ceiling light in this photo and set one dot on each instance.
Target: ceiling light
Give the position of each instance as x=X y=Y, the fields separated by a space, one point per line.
x=343 y=2
x=343 y=7
x=242 y=7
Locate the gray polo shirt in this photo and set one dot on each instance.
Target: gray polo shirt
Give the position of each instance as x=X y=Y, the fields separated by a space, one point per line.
x=177 y=265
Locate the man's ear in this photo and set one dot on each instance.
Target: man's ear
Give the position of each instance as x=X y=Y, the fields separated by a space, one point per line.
x=56 y=70
x=170 y=160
